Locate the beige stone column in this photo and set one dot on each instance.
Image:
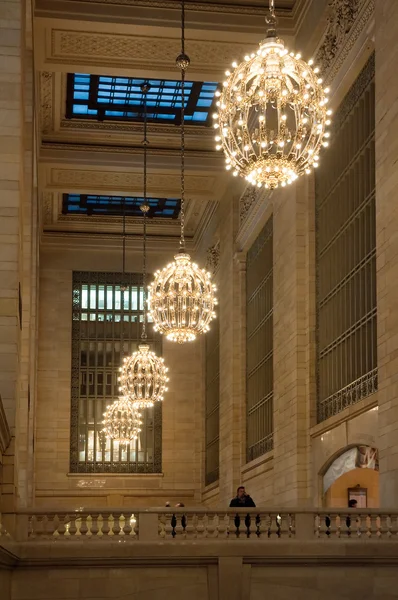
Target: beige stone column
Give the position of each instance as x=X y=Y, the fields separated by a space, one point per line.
x=232 y=355
x=18 y=234
x=294 y=337
x=387 y=244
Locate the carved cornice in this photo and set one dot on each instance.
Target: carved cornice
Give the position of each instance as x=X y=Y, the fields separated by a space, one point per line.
x=215 y=7
x=72 y=179
x=347 y=20
x=101 y=149
x=213 y=257
x=153 y=128
x=5 y=434
x=139 y=52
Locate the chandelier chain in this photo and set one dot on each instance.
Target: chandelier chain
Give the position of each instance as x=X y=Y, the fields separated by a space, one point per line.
x=182 y=213
x=123 y=282
x=144 y=208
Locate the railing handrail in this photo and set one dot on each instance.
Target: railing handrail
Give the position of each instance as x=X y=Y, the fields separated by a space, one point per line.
x=203 y=510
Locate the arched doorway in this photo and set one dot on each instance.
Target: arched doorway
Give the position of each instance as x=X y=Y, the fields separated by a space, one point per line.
x=354 y=474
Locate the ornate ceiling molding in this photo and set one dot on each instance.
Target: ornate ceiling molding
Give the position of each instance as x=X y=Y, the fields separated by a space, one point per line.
x=139 y=52
x=212 y=155
x=216 y=7
x=347 y=20
x=78 y=179
x=125 y=127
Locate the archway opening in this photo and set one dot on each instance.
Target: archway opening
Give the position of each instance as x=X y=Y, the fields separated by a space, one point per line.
x=353 y=475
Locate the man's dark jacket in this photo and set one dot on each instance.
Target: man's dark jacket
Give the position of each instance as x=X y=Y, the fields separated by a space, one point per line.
x=245 y=502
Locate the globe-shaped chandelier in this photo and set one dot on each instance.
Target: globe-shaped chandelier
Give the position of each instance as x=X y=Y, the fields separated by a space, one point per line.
x=122 y=422
x=143 y=377
x=182 y=300
x=182 y=296
x=272 y=114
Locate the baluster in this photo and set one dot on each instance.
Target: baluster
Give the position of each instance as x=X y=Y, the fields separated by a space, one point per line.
x=122 y=522
x=116 y=525
x=106 y=529
x=49 y=526
x=169 y=526
x=94 y=525
x=209 y=525
x=61 y=529
x=216 y=526
x=110 y=525
x=162 y=525
x=237 y=525
x=83 y=529
x=100 y=524
x=127 y=528
x=135 y=524
x=73 y=526
x=200 y=526
x=227 y=521
x=278 y=524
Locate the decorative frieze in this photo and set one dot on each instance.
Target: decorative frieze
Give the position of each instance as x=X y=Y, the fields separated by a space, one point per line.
x=347 y=20
x=249 y=197
x=213 y=257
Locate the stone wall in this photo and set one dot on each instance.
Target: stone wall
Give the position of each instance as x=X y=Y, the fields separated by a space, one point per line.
x=182 y=422
x=387 y=244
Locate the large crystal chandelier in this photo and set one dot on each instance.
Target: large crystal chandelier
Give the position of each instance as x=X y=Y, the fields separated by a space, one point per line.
x=182 y=296
x=122 y=422
x=272 y=114
x=143 y=375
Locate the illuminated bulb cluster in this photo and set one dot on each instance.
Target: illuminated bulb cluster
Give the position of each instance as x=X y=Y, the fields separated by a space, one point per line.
x=182 y=300
x=272 y=116
x=143 y=377
x=122 y=422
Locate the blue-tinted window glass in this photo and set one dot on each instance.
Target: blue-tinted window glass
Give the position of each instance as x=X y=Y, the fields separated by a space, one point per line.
x=104 y=97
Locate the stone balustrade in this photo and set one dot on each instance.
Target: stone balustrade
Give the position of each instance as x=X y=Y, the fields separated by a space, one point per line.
x=184 y=524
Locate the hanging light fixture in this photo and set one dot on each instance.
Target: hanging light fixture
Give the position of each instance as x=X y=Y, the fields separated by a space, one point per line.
x=143 y=375
x=272 y=114
x=182 y=295
x=122 y=421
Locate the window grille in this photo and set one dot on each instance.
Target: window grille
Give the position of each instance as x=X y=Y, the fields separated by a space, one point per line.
x=260 y=377
x=346 y=255
x=212 y=422
x=100 y=310
x=103 y=97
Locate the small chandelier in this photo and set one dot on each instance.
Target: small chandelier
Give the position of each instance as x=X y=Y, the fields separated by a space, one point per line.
x=122 y=422
x=182 y=296
x=272 y=114
x=143 y=375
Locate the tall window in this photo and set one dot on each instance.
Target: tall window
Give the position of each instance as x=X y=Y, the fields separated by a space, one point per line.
x=346 y=254
x=212 y=423
x=103 y=320
x=260 y=379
